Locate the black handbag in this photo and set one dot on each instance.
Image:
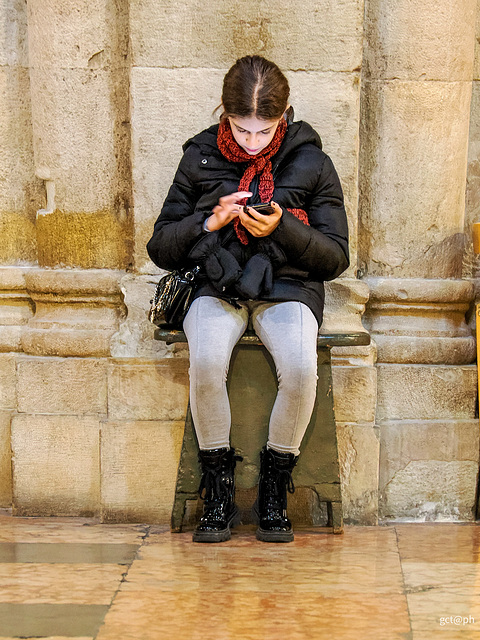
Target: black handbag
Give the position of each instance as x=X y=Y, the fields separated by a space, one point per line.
x=173 y=297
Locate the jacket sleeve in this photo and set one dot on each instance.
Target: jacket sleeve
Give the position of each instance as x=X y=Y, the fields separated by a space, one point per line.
x=180 y=223
x=320 y=248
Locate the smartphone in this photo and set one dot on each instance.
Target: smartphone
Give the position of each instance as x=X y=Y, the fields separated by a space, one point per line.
x=264 y=208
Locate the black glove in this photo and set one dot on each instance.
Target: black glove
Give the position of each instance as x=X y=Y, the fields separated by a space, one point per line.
x=257 y=277
x=220 y=266
x=222 y=269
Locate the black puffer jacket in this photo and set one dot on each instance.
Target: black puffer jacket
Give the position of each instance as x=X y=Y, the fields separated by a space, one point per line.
x=304 y=178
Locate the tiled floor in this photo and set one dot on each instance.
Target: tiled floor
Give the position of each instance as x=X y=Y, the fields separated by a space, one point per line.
x=72 y=578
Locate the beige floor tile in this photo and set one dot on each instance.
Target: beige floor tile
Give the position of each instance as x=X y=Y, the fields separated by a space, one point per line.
x=248 y=580
x=439 y=542
x=428 y=608
x=59 y=584
x=245 y=564
x=258 y=572
x=461 y=576
x=254 y=616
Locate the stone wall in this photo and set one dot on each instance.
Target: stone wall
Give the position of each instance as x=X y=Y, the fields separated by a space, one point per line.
x=98 y=98
x=417 y=90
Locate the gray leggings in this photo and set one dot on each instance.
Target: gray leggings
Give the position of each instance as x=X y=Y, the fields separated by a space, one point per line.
x=289 y=332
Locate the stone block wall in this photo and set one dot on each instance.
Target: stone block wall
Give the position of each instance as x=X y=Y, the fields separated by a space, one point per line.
x=97 y=100
x=91 y=436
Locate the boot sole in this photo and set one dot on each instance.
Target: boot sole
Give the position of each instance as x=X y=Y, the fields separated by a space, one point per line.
x=212 y=536
x=218 y=536
x=274 y=536
x=270 y=536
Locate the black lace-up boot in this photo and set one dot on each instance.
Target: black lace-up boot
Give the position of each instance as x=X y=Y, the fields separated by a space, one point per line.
x=271 y=506
x=217 y=489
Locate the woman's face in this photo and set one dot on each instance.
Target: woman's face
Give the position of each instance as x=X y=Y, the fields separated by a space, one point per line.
x=253 y=134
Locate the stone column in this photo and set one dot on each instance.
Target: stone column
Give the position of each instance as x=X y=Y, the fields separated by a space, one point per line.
x=417 y=84
x=415 y=119
x=20 y=191
x=472 y=261
x=78 y=57
x=78 y=62
x=472 y=211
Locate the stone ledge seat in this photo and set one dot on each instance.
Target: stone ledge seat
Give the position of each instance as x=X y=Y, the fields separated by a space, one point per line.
x=252 y=388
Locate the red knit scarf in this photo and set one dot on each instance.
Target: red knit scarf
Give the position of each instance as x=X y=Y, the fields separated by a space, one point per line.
x=258 y=164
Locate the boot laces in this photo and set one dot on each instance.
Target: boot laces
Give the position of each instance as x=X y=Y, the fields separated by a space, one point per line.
x=216 y=482
x=284 y=479
x=213 y=485
x=276 y=498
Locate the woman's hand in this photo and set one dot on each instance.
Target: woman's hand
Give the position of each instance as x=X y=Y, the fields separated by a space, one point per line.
x=258 y=224
x=226 y=210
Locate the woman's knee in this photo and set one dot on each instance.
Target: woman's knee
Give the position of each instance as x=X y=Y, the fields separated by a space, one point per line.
x=208 y=370
x=298 y=376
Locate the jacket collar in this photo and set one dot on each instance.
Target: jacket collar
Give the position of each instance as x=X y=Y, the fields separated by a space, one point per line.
x=298 y=133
